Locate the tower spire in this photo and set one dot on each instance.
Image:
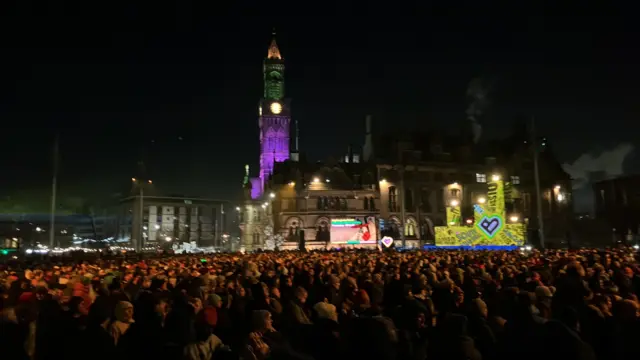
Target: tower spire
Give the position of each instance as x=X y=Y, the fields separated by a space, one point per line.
x=274 y=52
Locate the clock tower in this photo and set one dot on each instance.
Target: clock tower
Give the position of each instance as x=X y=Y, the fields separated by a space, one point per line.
x=274 y=117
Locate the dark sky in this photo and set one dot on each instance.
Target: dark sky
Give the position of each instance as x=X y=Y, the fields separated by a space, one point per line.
x=121 y=82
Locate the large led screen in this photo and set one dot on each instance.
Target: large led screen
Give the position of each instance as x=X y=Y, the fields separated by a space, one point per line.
x=353 y=231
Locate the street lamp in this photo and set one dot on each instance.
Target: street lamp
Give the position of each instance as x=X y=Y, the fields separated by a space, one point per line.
x=139 y=244
x=272 y=195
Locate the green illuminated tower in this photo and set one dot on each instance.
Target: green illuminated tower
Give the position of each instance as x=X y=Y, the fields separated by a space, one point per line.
x=273 y=71
x=274 y=118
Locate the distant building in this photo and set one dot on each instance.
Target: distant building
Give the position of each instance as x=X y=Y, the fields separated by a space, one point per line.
x=618 y=201
x=325 y=205
x=171 y=219
x=27 y=230
x=425 y=173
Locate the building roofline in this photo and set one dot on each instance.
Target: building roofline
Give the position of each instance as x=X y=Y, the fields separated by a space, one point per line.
x=176 y=198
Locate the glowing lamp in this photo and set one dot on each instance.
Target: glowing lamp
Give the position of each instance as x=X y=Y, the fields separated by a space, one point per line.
x=291 y=183
x=495 y=177
x=168 y=238
x=469 y=221
x=237 y=208
x=514 y=219
x=454 y=203
x=272 y=195
x=316 y=180
x=383 y=181
x=481 y=200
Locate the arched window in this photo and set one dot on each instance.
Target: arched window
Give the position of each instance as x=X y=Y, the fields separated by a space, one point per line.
x=410 y=228
x=393 y=198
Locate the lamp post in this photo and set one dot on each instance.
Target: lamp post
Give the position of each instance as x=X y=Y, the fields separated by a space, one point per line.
x=401 y=195
x=536 y=175
x=54 y=189
x=140 y=184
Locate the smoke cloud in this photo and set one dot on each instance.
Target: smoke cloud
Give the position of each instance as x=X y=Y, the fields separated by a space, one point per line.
x=588 y=168
x=478 y=95
x=608 y=164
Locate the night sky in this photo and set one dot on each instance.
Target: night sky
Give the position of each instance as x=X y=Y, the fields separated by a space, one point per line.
x=177 y=84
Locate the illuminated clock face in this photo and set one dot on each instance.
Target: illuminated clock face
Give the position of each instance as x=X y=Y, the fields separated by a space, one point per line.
x=276 y=108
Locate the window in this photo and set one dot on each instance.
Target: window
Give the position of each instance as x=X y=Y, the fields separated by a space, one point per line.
x=323 y=203
x=425 y=200
x=455 y=193
x=336 y=204
x=410 y=228
x=393 y=198
x=366 y=203
x=256 y=215
x=372 y=204
x=408 y=199
x=481 y=178
x=256 y=238
x=343 y=204
x=515 y=180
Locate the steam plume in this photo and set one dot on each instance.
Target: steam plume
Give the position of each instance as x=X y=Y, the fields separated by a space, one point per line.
x=478 y=94
x=607 y=164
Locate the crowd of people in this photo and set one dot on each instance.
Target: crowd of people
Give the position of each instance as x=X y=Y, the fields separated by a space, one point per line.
x=416 y=305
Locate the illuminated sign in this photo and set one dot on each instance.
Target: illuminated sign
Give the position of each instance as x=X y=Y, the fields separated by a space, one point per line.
x=353 y=231
x=490 y=227
x=386 y=241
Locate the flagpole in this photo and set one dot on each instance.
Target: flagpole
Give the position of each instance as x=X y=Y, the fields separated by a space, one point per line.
x=54 y=189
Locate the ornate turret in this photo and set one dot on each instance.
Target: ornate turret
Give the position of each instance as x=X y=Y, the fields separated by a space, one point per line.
x=274 y=52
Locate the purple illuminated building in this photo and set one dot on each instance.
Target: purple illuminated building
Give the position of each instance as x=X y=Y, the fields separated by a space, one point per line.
x=274 y=119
